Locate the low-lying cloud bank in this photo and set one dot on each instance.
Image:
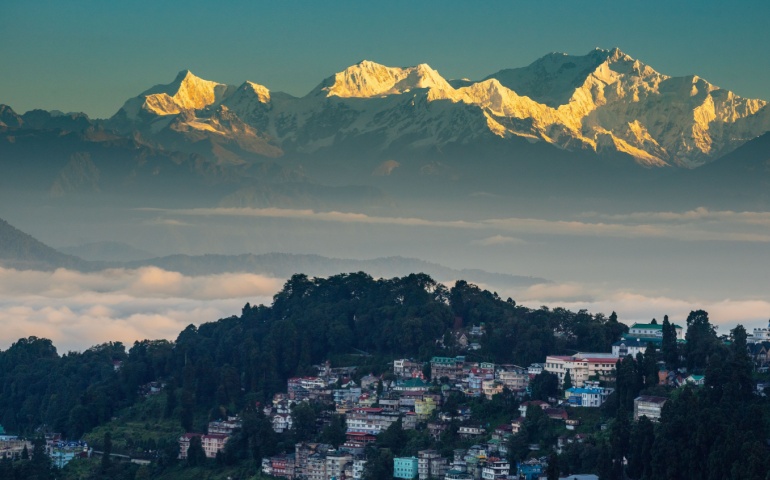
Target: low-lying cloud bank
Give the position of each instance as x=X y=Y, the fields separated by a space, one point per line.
x=78 y=310
x=696 y=225
x=642 y=307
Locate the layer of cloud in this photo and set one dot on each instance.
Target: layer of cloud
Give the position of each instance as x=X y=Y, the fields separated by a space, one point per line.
x=496 y=240
x=77 y=310
x=306 y=214
x=700 y=214
x=644 y=306
x=696 y=225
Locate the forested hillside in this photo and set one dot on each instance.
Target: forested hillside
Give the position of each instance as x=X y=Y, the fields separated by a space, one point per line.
x=310 y=321
x=232 y=365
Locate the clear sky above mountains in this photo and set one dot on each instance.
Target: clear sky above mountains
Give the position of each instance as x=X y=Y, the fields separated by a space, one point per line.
x=90 y=56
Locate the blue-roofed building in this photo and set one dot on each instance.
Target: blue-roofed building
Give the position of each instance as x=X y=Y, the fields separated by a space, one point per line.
x=587 y=396
x=531 y=469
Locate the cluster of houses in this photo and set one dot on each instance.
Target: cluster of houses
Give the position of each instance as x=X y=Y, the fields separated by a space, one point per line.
x=11 y=446
x=470 y=464
x=475 y=379
x=374 y=403
x=62 y=451
x=319 y=461
x=59 y=450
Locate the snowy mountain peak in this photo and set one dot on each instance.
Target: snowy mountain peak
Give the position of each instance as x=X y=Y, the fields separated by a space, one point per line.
x=262 y=92
x=186 y=92
x=615 y=54
x=368 y=79
x=604 y=100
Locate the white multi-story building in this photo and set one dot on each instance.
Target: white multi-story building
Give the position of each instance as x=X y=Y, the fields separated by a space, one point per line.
x=358 y=469
x=225 y=427
x=648 y=406
x=581 y=367
x=495 y=470
x=629 y=346
x=535 y=369
x=281 y=422
x=375 y=420
x=470 y=431
x=760 y=335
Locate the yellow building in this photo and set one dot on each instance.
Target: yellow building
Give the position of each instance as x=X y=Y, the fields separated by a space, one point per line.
x=424 y=407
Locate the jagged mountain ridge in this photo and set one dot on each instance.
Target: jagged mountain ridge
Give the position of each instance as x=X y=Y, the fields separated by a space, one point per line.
x=604 y=101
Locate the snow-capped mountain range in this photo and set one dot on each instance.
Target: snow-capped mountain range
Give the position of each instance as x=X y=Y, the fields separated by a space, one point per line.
x=605 y=101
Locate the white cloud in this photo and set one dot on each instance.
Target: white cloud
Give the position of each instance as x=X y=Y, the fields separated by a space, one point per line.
x=77 y=310
x=696 y=225
x=333 y=216
x=700 y=214
x=169 y=222
x=644 y=306
x=496 y=240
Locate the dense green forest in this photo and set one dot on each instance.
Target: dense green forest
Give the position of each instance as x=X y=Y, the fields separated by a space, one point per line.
x=228 y=366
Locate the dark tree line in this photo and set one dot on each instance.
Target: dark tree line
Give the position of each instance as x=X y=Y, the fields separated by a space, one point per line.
x=712 y=432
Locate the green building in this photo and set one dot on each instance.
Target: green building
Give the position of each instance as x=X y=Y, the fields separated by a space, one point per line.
x=405 y=467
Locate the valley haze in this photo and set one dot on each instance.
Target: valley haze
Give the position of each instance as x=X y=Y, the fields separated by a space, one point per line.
x=585 y=181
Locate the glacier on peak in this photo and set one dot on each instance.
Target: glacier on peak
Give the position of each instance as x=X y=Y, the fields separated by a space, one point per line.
x=368 y=79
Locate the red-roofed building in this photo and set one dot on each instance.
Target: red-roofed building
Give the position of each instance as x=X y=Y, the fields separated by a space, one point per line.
x=360 y=437
x=556 y=413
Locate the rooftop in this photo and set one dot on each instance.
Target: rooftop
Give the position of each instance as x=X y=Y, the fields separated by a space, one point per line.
x=652 y=326
x=651 y=399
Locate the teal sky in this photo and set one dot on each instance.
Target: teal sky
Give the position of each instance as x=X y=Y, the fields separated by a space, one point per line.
x=92 y=55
